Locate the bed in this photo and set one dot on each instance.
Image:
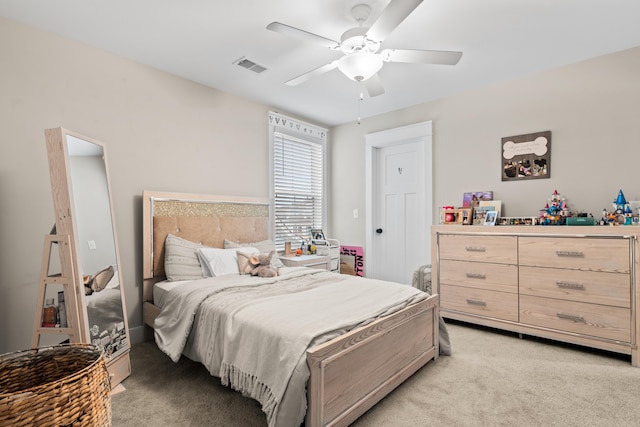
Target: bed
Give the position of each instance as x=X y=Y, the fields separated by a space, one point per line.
x=346 y=365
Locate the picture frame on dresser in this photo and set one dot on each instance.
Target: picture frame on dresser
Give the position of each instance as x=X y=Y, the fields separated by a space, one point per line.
x=490 y=218
x=466 y=215
x=491 y=205
x=317 y=234
x=478 y=215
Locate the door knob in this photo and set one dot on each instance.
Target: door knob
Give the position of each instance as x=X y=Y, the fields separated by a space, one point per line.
x=379 y=230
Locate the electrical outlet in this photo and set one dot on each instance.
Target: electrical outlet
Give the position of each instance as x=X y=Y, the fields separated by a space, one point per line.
x=92 y=244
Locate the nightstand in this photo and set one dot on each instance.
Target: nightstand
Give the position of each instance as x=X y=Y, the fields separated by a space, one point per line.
x=312 y=261
x=331 y=248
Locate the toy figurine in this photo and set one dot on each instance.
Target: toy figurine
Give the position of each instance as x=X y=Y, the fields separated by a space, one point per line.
x=620 y=203
x=621 y=215
x=555 y=211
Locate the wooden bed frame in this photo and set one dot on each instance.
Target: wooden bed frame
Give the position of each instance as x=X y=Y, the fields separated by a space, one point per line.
x=349 y=374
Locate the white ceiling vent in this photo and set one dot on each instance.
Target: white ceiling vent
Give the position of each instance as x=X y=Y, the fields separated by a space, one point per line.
x=250 y=65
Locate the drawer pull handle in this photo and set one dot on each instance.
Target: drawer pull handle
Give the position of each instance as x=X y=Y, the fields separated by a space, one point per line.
x=476 y=249
x=476 y=276
x=575 y=254
x=570 y=285
x=476 y=302
x=572 y=317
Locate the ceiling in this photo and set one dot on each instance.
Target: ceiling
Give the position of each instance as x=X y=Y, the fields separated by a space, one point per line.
x=201 y=40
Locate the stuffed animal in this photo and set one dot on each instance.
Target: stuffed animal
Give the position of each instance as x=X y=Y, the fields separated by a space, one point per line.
x=260 y=265
x=87 y=279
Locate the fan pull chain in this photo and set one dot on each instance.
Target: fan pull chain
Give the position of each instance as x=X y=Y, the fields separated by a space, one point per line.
x=360 y=98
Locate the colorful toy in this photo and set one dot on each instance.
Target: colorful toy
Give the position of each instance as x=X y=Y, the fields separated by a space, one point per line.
x=621 y=215
x=555 y=211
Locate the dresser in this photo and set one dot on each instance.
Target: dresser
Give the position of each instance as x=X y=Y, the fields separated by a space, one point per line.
x=571 y=284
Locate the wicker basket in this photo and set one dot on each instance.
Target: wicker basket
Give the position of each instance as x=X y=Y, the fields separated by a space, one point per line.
x=64 y=385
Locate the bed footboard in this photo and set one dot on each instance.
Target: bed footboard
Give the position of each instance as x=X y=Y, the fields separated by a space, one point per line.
x=354 y=371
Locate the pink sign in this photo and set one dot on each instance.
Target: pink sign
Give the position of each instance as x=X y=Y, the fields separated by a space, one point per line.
x=357 y=253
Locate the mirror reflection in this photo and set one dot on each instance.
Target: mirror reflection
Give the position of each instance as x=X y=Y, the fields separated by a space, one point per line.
x=96 y=247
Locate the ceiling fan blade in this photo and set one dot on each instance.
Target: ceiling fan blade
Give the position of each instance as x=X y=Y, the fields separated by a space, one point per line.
x=442 y=57
x=304 y=35
x=374 y=85
x=392 y=15
x=316 y=72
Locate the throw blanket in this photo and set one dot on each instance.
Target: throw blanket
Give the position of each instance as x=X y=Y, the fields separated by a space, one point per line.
x=422 y=281
x=254 y=332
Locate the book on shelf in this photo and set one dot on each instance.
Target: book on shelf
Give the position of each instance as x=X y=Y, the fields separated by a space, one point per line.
x=62 y=310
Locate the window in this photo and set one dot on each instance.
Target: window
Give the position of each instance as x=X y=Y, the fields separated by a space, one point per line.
x=298 y=152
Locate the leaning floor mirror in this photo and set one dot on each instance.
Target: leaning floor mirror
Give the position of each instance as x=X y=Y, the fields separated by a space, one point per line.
x=84 y=211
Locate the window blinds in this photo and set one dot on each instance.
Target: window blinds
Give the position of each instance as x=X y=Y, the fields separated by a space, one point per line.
x=298 y=185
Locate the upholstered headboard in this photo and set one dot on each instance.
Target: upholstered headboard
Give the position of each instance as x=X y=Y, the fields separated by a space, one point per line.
x=199 y=218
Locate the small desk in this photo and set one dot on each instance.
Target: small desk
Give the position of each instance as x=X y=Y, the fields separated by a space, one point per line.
x=313 y=261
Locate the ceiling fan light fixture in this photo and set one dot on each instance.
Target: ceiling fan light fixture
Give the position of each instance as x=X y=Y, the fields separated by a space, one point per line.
x=355 y=40
x=360 y=66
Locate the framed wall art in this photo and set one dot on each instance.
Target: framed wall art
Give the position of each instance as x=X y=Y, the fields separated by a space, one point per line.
x=526 y=156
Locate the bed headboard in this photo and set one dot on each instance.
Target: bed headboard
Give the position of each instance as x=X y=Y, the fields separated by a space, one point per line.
x=200 y=218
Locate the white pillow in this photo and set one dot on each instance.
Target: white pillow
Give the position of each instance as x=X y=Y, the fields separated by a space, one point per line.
x=218 y=262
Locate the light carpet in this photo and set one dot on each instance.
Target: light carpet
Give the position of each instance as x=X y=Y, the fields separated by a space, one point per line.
x=493 y=378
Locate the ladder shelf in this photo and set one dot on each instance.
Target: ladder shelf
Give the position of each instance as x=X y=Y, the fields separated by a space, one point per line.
x=67 y=281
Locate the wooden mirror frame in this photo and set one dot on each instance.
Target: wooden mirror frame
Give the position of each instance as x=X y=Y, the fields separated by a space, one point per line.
x=118 y=362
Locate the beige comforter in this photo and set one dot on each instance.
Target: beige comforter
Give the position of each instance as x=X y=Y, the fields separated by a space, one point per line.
x=253 y=333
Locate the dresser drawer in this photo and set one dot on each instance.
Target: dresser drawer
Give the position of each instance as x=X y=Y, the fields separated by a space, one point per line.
x=495 y=249
x=481 y=275
x=500 y=305
x=575 y=253
x=334 y=252
x=593 y=287
x=577 y=317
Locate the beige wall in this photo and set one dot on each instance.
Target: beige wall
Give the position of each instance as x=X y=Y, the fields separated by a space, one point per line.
x=161 y=133
x=592 y=109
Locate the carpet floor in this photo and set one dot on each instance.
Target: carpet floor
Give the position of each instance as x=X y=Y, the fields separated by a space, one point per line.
x=493 y=378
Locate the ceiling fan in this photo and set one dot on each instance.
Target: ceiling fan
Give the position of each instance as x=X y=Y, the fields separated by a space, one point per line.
x=362 y=61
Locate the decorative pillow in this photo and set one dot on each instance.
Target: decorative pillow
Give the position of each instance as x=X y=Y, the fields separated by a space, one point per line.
x=102 y=278
x=264 y=246
x=180 y=259
x=114 y=283
x=218 y=262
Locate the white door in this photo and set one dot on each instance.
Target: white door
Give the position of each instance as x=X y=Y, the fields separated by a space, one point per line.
x=399 y=212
